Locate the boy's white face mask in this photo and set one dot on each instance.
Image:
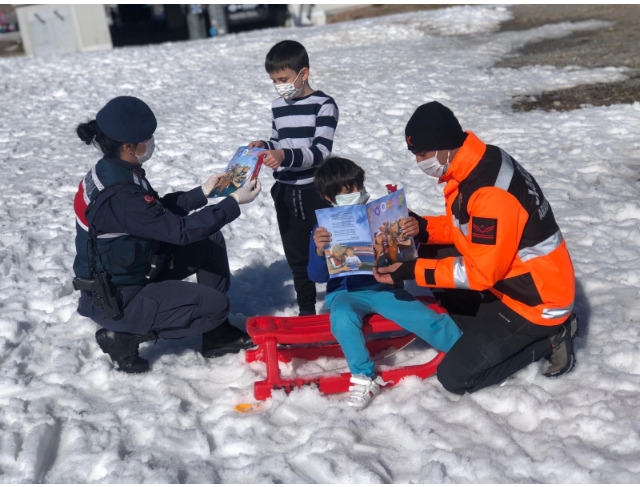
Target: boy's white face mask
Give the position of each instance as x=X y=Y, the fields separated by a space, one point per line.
x=358 y=198
x=289 y=90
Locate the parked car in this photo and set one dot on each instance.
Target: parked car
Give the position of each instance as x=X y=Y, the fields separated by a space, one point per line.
x=251 y=16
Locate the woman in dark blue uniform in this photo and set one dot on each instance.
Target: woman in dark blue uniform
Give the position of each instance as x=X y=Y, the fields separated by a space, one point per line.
x=134 y=248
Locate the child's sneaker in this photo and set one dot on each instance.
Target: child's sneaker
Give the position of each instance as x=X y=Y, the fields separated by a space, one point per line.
x=363 y=390
x=562 y=357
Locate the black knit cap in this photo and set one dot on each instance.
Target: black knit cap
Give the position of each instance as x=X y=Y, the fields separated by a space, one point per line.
x=433 y=127
x=127 y=119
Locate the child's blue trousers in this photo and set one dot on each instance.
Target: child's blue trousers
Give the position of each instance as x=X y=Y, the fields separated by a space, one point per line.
x=349 y=307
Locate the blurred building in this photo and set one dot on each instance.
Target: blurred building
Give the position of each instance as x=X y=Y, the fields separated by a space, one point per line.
x=59 y=29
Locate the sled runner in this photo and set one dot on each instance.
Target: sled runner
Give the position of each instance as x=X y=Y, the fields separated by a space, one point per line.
x=281 y=338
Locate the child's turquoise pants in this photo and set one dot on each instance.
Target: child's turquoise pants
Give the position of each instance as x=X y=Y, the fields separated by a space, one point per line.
x=349 y=307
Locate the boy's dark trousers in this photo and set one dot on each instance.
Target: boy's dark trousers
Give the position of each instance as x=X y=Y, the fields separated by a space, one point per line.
x=496 y=342
x=295 y=208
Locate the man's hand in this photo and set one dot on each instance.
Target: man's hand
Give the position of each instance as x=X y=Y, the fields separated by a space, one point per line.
x=322 y=238
x=396 y=273
x=422 y=234
x=210 y=183
x=410 y=227
x=257 y=143
x=273 y=158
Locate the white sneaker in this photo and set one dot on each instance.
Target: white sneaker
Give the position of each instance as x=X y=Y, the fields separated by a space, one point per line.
x=363 y=390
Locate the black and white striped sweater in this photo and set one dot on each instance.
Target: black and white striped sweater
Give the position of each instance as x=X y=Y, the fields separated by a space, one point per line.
x=304 y=129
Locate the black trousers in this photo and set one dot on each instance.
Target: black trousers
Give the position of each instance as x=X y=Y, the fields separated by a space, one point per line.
x=295 y=208
x=169 y=306
x=496 y=341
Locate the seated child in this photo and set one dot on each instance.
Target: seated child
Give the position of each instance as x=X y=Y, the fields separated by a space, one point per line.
x=351 y=298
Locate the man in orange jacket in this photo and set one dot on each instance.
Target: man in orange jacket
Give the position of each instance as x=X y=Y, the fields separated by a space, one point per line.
x=497 y=254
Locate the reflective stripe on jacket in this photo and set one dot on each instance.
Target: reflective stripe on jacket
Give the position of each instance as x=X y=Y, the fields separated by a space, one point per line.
x=498 y=219
x=124 y=257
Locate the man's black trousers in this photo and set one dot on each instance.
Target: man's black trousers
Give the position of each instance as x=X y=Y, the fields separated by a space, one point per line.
x=496 y=342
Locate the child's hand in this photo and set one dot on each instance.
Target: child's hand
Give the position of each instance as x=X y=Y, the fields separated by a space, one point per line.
x=257 y=143
x=410 y=227
x=273 y=158
x=322 y=238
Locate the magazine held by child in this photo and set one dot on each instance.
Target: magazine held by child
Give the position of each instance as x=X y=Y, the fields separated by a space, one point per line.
x=244 y=166
x=364 y=236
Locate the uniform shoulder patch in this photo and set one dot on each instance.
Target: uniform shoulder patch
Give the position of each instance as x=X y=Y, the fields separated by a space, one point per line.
x=484 y=230
x=155 y=206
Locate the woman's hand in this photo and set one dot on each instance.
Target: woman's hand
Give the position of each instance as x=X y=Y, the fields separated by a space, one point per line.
x=257 y=143
x=210 y=183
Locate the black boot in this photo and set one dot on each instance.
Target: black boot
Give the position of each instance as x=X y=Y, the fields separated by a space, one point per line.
x=562 y=358
x=123 y=349
x=223 y=339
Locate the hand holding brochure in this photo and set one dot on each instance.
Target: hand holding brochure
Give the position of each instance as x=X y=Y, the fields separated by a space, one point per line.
x=243 y=167
x=364 y=236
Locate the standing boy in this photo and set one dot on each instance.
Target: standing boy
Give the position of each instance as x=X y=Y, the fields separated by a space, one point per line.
x=349 y=299
x=303 y=126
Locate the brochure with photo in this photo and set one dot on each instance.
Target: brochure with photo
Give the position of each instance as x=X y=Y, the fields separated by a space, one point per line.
x=244 y=166
x=364 y=236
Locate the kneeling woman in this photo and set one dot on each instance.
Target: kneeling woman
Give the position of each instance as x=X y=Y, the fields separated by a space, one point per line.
x=134 y=248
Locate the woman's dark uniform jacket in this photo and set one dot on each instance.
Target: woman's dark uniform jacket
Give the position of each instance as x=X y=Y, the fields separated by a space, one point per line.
x=130 y=221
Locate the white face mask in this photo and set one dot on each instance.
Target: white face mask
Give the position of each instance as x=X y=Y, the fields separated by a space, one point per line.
x=432 y=167
x=150 y=146
x=359 y=198
x=289 y=90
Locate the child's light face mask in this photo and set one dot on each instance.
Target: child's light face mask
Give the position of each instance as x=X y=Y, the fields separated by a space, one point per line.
x=357 y=198
x=289 y=90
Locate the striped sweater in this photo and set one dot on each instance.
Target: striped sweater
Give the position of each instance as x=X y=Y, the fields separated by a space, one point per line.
x=304 y=129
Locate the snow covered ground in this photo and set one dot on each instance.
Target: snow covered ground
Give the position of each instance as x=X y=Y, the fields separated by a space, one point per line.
x=67 y=416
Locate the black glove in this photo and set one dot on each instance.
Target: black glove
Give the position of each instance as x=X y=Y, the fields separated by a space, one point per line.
x=423 y=235
x=406 y=272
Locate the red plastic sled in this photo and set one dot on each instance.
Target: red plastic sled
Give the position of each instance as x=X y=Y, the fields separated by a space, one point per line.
x=309 y=337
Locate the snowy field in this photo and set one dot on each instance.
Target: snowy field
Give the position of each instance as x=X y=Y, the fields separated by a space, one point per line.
x=67 y=416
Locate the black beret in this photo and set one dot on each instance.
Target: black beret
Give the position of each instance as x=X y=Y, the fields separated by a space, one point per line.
x=127 y=119
x=433 y=127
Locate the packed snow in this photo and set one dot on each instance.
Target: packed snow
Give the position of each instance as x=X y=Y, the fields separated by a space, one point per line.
x=66 y=416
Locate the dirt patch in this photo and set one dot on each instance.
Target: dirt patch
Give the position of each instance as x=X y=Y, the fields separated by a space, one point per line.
x=618 y=46
x=12 y=48
x=369 y=11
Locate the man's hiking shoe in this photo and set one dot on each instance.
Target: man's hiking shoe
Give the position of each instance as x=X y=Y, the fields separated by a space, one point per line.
x=562 y=358
x=363 y=390
x=224 y=339
x=123 y=349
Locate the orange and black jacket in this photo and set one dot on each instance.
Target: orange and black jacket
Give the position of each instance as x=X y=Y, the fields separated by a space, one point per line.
x=499 y=220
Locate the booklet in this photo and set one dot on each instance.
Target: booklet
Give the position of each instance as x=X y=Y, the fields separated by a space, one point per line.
x=244 y=166
x=364 y=236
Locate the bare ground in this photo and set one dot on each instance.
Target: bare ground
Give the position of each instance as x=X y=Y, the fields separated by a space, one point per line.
x=618 y=46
